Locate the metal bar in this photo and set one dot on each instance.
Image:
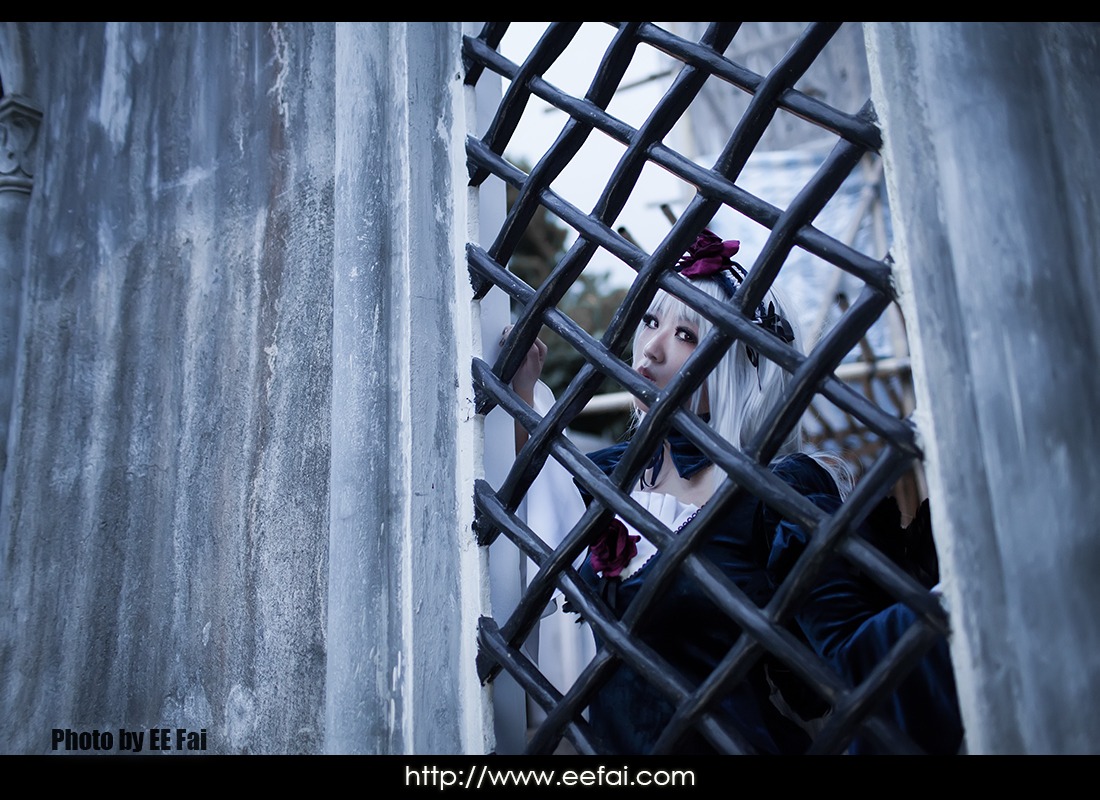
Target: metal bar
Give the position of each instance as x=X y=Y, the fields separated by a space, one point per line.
x=762 y=630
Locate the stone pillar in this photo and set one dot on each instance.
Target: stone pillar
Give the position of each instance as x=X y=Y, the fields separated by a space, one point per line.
x=991 y=133
x=406 y=576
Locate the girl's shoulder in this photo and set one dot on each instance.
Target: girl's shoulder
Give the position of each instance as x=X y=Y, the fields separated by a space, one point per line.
x=804 y=474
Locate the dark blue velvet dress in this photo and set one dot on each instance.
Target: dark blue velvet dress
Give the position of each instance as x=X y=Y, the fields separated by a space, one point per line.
x=847 y=620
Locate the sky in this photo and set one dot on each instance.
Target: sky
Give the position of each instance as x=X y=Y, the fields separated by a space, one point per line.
x=583 y=180
x=776 y=176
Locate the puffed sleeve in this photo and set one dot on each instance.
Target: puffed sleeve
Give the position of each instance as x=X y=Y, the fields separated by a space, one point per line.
x=852 y=624
x=552 y=507
x=553 y=504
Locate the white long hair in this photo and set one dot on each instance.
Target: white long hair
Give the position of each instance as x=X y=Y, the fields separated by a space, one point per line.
x=740 y=395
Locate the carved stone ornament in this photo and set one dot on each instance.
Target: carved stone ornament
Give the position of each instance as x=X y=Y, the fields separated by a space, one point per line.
x=18 y=141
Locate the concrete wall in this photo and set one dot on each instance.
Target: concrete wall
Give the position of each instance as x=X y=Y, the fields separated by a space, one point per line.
x=991 y=133
x=404 y=436
x=236 y=347
x=217 y=327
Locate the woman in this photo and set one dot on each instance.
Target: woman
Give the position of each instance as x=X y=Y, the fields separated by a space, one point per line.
x=845 y=619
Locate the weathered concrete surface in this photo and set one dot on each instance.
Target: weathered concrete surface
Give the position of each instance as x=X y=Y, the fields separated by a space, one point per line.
x=244 y=286
x=404 y=569
x=165 y=520
x=992 y=132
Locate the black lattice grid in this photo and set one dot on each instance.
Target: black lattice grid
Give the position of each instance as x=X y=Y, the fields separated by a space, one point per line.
x=762 y=628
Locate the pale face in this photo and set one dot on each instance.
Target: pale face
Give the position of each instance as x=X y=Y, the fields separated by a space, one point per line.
x=661 y=347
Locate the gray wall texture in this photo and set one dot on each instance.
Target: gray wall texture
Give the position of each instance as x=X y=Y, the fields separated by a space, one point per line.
x=234 y=378
x=992 y=132
x=166 y=535
x=166 y=514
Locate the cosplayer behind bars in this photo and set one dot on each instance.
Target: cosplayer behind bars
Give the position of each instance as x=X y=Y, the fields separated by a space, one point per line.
x=845 y=619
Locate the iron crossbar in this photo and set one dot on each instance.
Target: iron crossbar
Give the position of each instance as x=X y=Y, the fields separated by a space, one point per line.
x=765 y=632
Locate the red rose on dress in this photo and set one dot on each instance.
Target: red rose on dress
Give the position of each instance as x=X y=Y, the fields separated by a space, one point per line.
x=610 y=554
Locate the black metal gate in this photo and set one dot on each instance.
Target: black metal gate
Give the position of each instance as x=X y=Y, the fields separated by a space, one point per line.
x=764 y=631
